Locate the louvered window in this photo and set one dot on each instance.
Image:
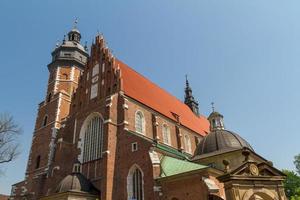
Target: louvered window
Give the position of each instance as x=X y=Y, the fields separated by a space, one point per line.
x=93 y=140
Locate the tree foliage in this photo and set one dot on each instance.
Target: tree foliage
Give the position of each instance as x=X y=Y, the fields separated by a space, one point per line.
x=292 y=184
x=9 y=130
x=297 y=163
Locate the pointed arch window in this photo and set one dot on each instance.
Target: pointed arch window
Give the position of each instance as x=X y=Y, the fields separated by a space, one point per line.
x=188 y=145
x=166 y=134
x=135 y=184
x=139 y=122
x=93 y=139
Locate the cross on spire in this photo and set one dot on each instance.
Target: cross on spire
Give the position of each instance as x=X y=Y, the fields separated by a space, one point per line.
x=213 y=106
x=75 y=22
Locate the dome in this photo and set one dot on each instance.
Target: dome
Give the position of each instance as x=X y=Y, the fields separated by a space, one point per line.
x=75 y=30
x=76 y=182
x=221 y=140
x=214 y=114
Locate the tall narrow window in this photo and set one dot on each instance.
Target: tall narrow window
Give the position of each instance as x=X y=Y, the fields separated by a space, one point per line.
x=166 y=134
x=93 y=137
x=38 y=161
x=135 y=184
x=45 y=121
x=188 y=145
x=139 y=122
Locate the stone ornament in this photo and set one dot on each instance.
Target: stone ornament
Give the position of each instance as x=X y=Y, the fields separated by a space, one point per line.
x=253 y=170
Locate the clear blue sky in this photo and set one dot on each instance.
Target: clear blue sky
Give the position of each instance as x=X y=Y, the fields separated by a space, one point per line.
x=243 y=55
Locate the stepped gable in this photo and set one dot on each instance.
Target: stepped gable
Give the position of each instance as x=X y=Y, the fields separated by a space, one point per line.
x=146 y=92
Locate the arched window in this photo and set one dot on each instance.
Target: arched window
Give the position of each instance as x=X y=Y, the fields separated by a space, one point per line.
x=45 y=120
x=135 y=184
x=65 y=76
x=93 y=136
x=166 y=134
x=188 y=145
x=139 y=122
x=38 y=161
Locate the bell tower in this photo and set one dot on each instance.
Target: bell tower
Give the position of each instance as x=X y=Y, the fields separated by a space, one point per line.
x=68 y=61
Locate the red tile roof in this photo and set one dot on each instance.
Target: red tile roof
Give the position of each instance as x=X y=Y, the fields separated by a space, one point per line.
x=3 y=197
x=146 y=92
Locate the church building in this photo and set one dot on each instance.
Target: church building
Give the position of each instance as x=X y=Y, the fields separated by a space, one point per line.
x=105 y=132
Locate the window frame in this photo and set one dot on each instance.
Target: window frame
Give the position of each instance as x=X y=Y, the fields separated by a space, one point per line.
x=187 y=144
x=133 y=189
x=91 y=138
x=142 y=125
x=166 y=134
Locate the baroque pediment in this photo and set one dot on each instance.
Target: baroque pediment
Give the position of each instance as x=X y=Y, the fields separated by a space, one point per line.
x=253 y=170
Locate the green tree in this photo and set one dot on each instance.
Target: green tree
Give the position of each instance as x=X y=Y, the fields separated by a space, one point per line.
x=297 y=163
x=292 y=185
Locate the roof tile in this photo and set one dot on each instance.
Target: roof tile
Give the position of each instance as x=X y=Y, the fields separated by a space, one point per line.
x=146 y=92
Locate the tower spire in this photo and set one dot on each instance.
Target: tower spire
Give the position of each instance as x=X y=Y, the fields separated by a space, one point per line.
x=189 y=99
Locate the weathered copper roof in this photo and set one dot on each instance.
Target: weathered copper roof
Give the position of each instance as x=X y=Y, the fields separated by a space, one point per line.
x=172 y=166
x=146 y=92
x=220 y=140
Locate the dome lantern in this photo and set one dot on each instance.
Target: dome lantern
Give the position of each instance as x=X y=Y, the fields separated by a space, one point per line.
x=216 y=120
x=220 y=139
x=74 y=35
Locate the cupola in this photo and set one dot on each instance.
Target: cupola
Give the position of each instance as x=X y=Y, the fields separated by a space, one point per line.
x=74 y=35
x=220 y=139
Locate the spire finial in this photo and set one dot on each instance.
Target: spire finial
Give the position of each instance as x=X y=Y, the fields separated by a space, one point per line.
x=213 y=106
x=75 y=23
x=186 y=80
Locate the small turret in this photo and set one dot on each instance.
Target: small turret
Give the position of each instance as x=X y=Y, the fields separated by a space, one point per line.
x=74 y=35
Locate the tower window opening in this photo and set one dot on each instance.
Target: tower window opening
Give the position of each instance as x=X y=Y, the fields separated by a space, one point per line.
x=65 y=76
x=49 y=97
x=38 y=161
x=45 y=121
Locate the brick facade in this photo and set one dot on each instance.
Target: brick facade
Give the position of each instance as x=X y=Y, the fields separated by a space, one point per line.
x=78 y=91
